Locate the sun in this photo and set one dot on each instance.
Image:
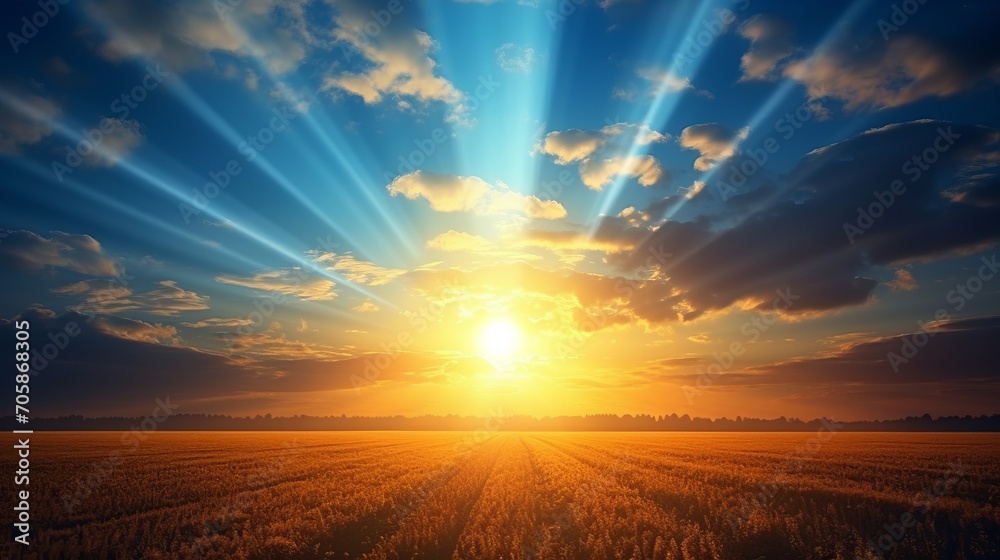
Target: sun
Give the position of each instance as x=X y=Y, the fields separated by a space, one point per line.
x=499 y=339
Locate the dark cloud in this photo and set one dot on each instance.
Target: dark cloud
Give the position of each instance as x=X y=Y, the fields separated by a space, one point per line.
x=107 y=366
x=111 y=297
x=793 y=235
x=947 y=351
x=904 y=68
x=79 y=253
x=770 y=43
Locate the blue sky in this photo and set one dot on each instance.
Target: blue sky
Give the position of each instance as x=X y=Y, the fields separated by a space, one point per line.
x=533 y=152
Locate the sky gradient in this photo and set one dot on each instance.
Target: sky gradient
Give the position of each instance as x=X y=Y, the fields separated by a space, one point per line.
x=715 y=208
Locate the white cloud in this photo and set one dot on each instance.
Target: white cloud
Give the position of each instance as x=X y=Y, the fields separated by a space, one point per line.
x=453 y=193
x=356 y=270
x=293 y=281
x=398 y=62
x=251 y=80
x=598 y=173
x=664 y=81
x=452 y=240
x=694 y=190
x=515 y=58
x=715 y=143
x=603 y=154
x=368 y=306
x=623 y=94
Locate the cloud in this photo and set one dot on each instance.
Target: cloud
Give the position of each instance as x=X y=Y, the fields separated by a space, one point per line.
x=952 y=350
x=713 y=141
x=623 y=94
x=572 y=145
x=453 y=193
x=570 y=240
x=170 y=300
x=950 y=374
x=598 y=173
x=903 y=282
x=25 y=118
x=770 y=43
x=398 y=62
x=604 y=154
x=452 y=240
x=251 y=80
x=139 y=331
x=184 y=35
x=111 y=297
x=907 y=69
x=610 y=3
x=79 y=253
x=355 y=270
x=218 y=322
x=96 y=373
x=367 y=306
x=792 y=234
x=120 y=138
x=273 y=344
x=514 y=58
x=614 y=234
x=694 y=190
x=293 y=281
x=658 y=82
x=109 y=287
x=664 y=81
x=563 y=301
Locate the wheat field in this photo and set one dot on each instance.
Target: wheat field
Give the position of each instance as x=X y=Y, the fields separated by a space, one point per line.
x=376 y=495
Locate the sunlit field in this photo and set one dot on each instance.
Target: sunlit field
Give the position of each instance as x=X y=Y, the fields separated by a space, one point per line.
x=515 y=495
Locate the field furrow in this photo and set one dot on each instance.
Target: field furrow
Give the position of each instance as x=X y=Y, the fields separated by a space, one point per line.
x=532 y=495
